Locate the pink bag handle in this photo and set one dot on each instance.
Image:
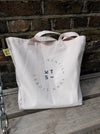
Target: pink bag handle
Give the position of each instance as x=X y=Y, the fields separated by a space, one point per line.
x=68 y=35
x=39 y=35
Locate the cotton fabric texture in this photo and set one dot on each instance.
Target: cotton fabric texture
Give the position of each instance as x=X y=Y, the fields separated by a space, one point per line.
x=48 y=69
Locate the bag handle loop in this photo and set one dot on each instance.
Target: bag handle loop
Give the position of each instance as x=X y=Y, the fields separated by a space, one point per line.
x=68 y=35
x=64 y=36
x=39 y=35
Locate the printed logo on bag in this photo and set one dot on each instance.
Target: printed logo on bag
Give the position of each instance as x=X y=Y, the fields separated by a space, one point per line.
x=49 y=74
x=49 y=77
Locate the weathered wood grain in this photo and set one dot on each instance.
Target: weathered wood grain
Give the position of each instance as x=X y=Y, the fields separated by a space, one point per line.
x=89 y=87
x=90 y=76
x=76 y=120
x=80 y=120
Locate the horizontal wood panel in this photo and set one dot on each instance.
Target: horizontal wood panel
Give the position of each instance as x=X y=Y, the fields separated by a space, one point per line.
x=91 y=57
x=90 y=87
x=77 y=120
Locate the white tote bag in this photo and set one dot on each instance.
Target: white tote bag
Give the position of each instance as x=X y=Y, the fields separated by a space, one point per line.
x=48 y=70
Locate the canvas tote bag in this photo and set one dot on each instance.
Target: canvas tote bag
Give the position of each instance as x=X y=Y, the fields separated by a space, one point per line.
x=48 y=70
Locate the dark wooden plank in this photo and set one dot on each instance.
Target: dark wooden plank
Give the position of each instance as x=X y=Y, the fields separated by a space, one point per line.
x=95 y=131
x=90 y=76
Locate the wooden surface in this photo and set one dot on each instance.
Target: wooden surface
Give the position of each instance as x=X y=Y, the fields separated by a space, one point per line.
x=90 y=87
x=60 y=121
x=84 y=119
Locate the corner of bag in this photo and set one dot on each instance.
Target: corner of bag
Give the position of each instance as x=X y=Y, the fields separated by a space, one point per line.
x=8 y=38
x=84 y=37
